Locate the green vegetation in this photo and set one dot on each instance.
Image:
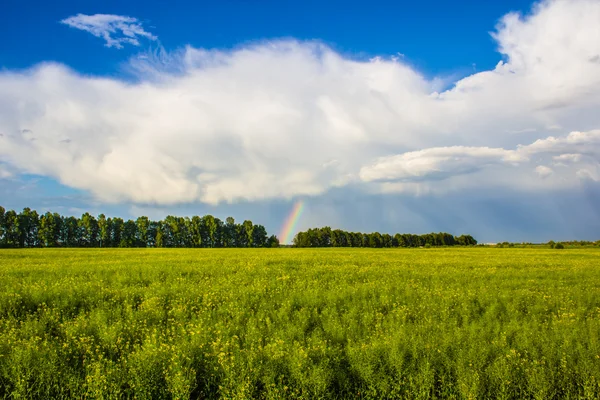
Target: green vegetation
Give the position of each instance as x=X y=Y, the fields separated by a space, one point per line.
x=29 y=229
x=300 y=323
x=327 y=237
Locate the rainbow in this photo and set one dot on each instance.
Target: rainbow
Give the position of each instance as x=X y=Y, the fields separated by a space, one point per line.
x=287 y=230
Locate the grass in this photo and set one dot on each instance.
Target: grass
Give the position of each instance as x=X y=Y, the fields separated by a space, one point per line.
x=300 y=323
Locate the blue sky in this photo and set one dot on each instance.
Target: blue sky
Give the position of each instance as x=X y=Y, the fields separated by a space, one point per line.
x=439 y=37
x=389 y=116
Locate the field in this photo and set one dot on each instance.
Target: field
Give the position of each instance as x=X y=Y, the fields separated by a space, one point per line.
x=300 y=323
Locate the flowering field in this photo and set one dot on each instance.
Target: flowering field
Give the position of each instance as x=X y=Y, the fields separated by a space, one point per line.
x=300 y=323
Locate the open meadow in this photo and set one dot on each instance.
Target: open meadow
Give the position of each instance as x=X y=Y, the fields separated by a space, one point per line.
x=300 y=323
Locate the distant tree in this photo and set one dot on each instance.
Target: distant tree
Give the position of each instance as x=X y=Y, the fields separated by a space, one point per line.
x=89 y=229
x=467 y=240
x=386 y=240
x=142 y=227
x=105 y=231
x=244 y=234
x=70 y=232
x=259 y=236
x=11 y=229
x=27 y=223
x=171 y=232
x=272 y=241
x=153 y=227
x=117 y=232
x=559 y=246
x=159 y=242
x=375 y=240
x=50 y=229
x=229 y=233
x=186 y=232
x=209 y=230
x=219 y=233
x=196 y=231
x=366 y=240
x=326 y=237
x=2 y=226
x=128 y=238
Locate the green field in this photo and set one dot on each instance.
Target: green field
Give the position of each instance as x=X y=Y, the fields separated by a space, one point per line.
x=300 y=323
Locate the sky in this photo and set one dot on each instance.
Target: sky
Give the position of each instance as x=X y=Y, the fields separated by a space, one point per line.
x=464 y=117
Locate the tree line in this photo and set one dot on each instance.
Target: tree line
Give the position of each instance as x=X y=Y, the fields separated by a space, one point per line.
x=30 y=229
x=327 y=237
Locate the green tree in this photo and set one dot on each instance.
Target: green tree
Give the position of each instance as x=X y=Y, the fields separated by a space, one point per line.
x=386 y=240
x=128 y=239
x=117 y=231
x=196 y=231
x=153 y=228
x=209 y=230
x=2 y=226
x=49 y=230
x=259 y=236
x=272 y=241
x=229 y=234
x=159 y=235
x=11 y=229
x=28 y=221
x=88 y=228
x=105 y=231
x=70 y=232
x=142 y=226
x=375 y=240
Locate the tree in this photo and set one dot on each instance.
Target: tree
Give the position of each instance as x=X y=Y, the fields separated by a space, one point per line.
x=117 y=232
x=2 y=224
x=11 y=229
x=186 y=232
x=196 y=231
x=272 y=241
x=325 y=237
x=70 y=232
x=259 y=236
x=142 y=226
x=386 y=240
x=159 y=235
x=466 y=240
x=375 y=240
x=105 y=230
x=128 y=239
x=49 y=230
x=208 y=231
x=219 y=233
x=229 y=234
x=27 y=222
x=153 y=229
x=89 y=230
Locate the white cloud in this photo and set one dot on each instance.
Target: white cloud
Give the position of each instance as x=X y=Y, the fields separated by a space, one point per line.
x=543 y=171
x=4 y=172
x=570 y=158
x=436 y=163
x=116 y=30
x=447 y=162
x=267 y=120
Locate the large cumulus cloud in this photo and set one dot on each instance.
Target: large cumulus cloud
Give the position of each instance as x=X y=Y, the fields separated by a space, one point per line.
x=285 y=118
